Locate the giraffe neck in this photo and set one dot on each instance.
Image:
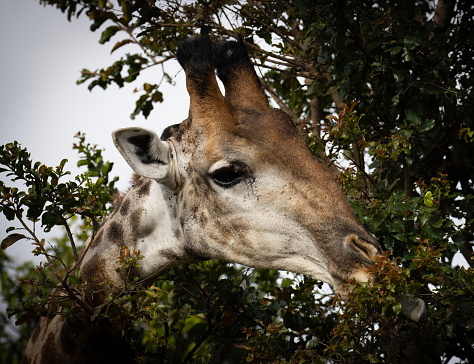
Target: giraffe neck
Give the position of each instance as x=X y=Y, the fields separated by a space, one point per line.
x=145 y=221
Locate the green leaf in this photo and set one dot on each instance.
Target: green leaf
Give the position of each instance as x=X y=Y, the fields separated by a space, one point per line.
x=423 y=218
x=395 y=49
x=9 y=213
x=458 y=239
x=293 y=321
x=287 y=282
x=82 y=162
x=100 y=181
x=157 y=96
x=11 y=239
x=106 y=168
x=120 y=44
x=436 y=221
x=413 y=117
x=411 y=42
x=149 y=87
x=428 y=199
x=373 y=358
x=96 y=313
x=108 y=33
x=390 y=203
x=397 y=307
x=378 y=219
x=428 y=125
x=152 y=294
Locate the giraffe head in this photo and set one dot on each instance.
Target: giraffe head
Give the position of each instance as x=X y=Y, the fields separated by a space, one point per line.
x=242 y=184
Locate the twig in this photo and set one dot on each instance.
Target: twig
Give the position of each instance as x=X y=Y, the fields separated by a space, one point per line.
x=35 y=238
x=69 y=234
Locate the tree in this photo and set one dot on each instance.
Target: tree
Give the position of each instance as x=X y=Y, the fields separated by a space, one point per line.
x=383 y=86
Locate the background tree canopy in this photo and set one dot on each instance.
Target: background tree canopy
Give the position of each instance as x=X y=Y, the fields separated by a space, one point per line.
x=382 y=93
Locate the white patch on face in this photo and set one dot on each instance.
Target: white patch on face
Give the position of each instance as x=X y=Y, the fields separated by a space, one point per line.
x=218 y=165
x=163 y=228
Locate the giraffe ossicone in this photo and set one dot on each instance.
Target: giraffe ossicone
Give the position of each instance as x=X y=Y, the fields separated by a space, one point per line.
x=234 y=181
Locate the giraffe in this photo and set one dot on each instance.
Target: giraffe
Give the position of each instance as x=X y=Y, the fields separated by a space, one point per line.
x=234 y=181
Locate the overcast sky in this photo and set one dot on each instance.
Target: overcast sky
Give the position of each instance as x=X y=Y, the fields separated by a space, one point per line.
x=42 y=54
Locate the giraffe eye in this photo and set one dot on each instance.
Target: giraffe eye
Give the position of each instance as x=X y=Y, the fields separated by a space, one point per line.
x=228 y=176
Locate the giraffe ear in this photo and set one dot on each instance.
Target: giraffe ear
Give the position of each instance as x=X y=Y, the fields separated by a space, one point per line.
x=144 y=152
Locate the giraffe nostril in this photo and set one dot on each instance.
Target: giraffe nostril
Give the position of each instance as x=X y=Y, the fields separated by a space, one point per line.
x=363 y=246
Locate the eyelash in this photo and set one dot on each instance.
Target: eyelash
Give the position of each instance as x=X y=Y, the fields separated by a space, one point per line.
x=229 y=176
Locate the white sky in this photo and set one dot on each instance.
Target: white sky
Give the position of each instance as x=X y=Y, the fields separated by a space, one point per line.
x=41 y=106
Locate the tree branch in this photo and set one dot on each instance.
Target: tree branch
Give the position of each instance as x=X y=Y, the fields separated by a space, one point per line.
x=69 y=234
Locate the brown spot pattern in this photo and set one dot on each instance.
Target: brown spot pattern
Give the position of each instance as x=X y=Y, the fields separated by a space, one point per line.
x=93 y=274
x=144 y=189
x=177 y=233
x=139 y=183
x=91 y=269
x=135 y=220
x=125 y=207
x=115 y=232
